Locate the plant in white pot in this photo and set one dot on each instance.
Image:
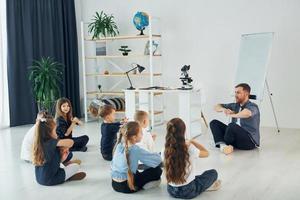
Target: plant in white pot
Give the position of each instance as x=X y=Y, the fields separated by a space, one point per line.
x=45 y=75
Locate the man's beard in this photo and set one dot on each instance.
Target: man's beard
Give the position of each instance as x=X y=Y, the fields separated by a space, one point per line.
x=238 y=100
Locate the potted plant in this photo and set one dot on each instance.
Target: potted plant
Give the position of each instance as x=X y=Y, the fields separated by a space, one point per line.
x=124 y=50
x=45 y=75
x=103 y=25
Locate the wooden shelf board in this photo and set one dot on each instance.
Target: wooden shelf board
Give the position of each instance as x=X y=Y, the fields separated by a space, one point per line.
x=115 y=93
x=123 y=111
x=158 y=112
x=120 y=56
x=157 y=93
x=122 y=74
x=123 y=37
x=106 y=93
x=119 y=111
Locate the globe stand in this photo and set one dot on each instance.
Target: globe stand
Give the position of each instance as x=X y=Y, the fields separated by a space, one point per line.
x=142 y=31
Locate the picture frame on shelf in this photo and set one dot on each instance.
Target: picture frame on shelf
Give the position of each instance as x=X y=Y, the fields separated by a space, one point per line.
x=101 y=49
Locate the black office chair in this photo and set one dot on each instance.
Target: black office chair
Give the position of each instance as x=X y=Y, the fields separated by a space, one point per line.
x=252 y=96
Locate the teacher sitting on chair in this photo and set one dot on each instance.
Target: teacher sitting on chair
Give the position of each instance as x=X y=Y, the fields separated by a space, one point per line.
x=243 y=131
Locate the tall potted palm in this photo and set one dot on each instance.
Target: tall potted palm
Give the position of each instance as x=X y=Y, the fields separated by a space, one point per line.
x=45 y=75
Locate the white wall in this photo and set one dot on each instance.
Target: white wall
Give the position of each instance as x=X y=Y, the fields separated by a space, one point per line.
x=206 y=34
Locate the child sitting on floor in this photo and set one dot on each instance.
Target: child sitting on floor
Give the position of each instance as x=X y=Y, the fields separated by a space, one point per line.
x=125 y=175
x=49 y=152
x=179 y=162
x=66 y=123
x=148 y=138
x=26 y=149
x=109 y=130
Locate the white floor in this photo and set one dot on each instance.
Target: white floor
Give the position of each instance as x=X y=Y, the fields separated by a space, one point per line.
x=272 y=172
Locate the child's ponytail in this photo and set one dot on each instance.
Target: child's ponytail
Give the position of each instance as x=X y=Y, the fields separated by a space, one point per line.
x=130 y=179
x=128 y=131
x=43 y=131
x=176 y=152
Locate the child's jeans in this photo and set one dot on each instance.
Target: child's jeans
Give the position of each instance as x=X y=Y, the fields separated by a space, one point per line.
x=196 y=187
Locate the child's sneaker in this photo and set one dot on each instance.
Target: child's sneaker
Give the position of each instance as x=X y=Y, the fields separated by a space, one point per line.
x=152 y=184
x=78 y=176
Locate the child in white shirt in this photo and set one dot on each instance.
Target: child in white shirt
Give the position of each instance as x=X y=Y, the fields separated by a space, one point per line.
x=26 y=149
x=148 y=138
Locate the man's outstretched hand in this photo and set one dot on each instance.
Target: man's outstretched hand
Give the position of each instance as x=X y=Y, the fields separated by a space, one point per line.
x=228 y=112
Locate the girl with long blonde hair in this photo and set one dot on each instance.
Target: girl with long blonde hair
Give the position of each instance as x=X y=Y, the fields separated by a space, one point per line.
x=125 y=175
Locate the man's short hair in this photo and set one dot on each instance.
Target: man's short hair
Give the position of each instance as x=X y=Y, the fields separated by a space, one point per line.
x=245 y=87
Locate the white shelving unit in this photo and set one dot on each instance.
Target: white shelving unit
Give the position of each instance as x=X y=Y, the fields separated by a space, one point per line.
x=153 y=76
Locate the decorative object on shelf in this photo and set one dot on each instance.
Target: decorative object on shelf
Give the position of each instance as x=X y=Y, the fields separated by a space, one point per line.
x=46 y=75
x=139 y=68
x=103 y=25
x=154 y=47
x=124 y=50
x=106 y=72
x=141 y=21
x=185 y=78
x=99 y=87
x=117 y=102
x=100 y=48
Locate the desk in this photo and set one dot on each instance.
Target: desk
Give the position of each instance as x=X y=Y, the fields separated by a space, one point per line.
x=145 y=102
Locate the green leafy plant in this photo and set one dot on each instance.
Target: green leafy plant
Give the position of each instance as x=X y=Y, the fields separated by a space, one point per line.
x=103 y=25
x=45 y=75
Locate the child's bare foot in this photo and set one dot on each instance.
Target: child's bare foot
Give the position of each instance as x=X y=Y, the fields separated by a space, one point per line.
x=228 y=149
x=77 y=161
x=78 y=176
x=215 y=186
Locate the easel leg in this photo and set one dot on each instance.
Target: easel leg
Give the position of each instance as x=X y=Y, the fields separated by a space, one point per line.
x=203 y=117
x=273 y=109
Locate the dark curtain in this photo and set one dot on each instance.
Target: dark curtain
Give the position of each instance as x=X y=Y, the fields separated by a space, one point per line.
x=39 y=28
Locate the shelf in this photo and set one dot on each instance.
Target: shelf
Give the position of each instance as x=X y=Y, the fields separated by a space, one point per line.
x=119 y=111
x=106 y=93
x=115 y=93
x=121 y=56
x=123 y=112
x=119 y=88
x=157 y=112
x=122 y=74
x=123 y=37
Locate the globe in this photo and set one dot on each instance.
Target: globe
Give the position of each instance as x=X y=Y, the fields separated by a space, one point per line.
x=141 y=21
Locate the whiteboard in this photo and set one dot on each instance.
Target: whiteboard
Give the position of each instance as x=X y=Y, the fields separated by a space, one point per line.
x=255 y=51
